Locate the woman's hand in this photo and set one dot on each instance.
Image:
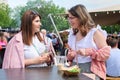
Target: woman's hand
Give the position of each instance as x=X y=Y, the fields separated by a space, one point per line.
x=71 y=55
x=46 y=58
x=49 y=60
x=81 y=52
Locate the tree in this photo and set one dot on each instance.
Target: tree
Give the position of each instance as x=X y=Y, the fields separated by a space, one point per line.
x=44 y=8
x=112 y=28
x=5 y=19
x=16 y=16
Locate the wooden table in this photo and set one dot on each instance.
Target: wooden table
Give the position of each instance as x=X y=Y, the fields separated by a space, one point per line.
x=46 y=73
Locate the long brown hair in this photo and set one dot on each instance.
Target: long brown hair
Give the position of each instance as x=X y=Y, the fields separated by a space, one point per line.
x=26 y=26
x=86 y=22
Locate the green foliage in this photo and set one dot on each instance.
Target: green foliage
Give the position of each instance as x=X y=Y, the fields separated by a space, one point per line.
x=12 y=18
x=44 y=8
x=112 y=28
x=5 y=19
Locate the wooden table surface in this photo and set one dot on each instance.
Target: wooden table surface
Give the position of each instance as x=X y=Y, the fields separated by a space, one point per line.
x=45 y=73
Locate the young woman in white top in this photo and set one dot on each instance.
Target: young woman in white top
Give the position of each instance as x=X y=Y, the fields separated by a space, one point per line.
x=88 y=47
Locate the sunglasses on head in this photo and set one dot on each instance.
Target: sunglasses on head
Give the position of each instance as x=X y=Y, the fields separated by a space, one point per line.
x=115 y=37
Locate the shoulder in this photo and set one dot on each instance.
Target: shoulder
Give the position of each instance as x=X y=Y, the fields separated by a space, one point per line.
x=99 y=39
x=99 y=33
x=16 y=38
x=70 y=33
x=48 y=39
x=101 y=30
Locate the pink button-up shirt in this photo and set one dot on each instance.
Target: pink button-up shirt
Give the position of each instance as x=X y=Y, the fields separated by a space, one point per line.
x=14 y=54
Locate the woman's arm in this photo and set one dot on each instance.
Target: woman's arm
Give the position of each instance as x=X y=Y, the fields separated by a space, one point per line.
x=52 y=49
x=71 y=55
x=103 y=51
x=99 y=39
x=100 y=55
x=38 y=60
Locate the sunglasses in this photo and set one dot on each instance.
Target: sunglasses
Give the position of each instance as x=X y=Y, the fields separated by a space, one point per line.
x=115 y=37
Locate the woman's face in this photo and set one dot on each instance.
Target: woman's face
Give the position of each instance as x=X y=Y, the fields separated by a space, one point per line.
x=36 y=24
x=74 y=21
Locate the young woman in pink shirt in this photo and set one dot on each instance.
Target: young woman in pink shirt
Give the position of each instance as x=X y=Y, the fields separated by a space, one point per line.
x=27 y=48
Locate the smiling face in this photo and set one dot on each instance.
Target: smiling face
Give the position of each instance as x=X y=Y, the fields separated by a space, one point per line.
x=36 y=25
x=74 y=21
